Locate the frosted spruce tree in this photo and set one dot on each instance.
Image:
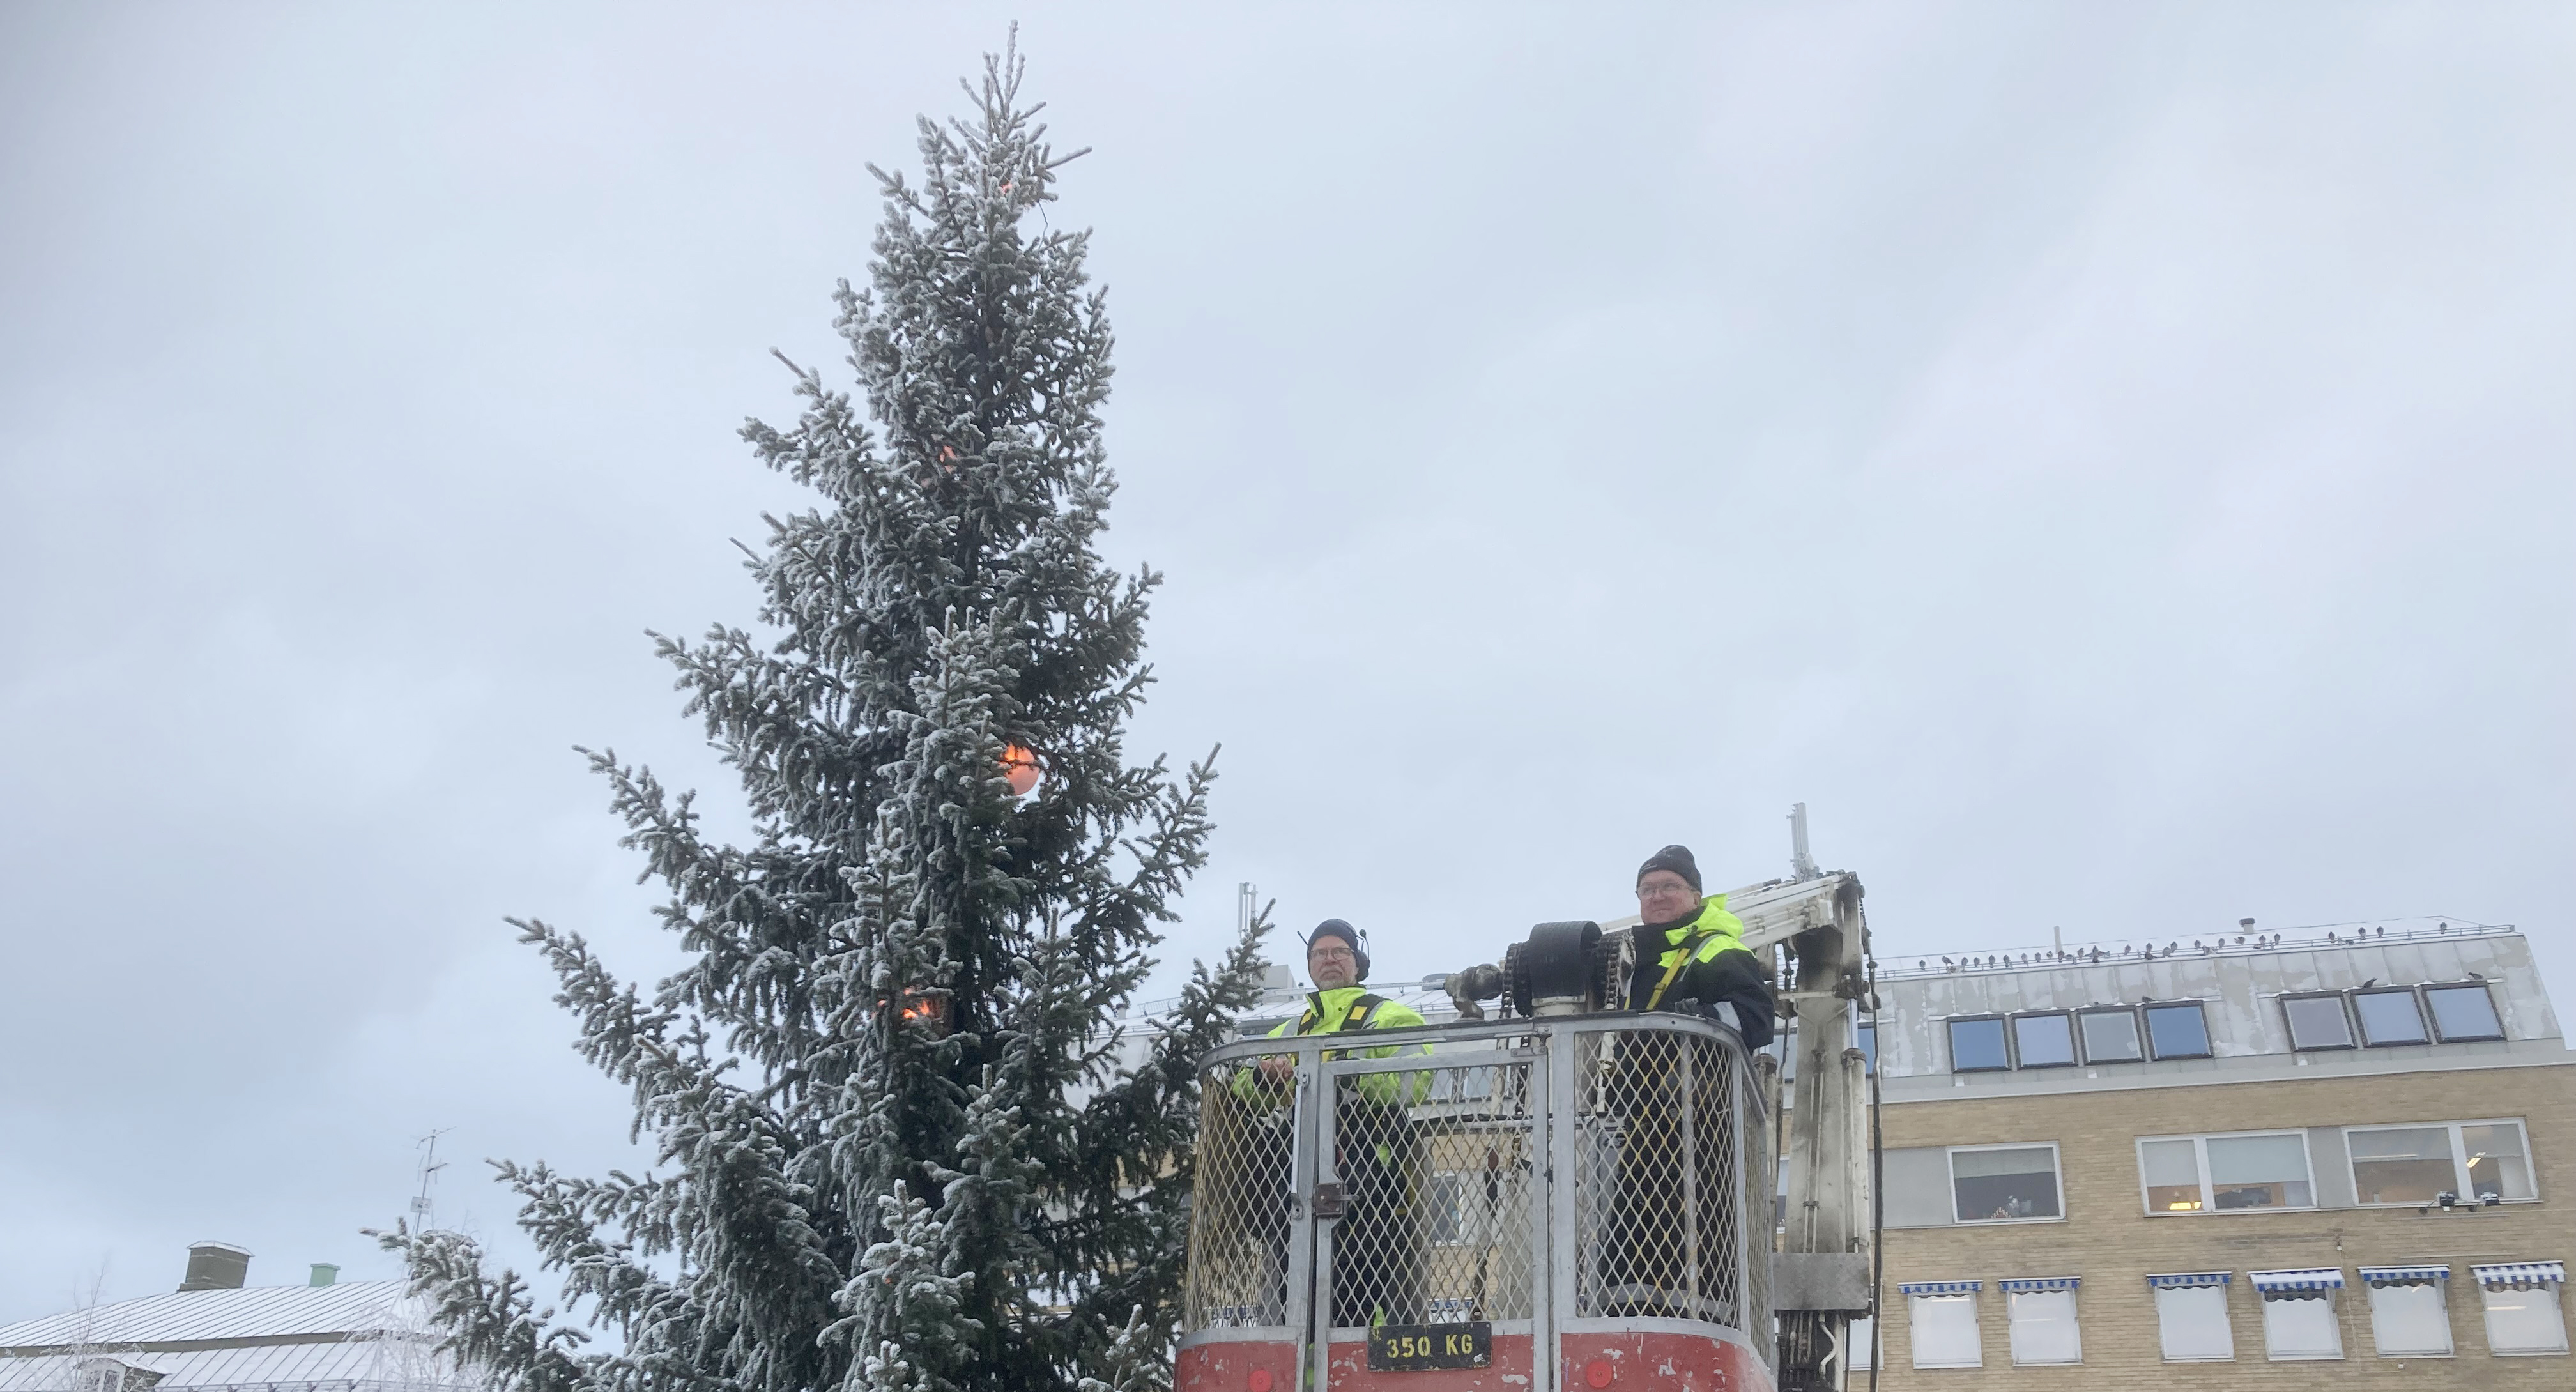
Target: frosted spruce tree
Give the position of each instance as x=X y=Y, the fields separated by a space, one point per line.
x=893 y=1150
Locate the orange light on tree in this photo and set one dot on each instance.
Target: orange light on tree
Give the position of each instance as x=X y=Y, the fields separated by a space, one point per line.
x=1021 y=767
x=921 y=1007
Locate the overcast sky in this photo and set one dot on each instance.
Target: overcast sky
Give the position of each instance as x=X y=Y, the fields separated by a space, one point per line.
x=2114 y=463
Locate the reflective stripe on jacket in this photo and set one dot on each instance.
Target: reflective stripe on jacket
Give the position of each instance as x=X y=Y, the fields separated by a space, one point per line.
x=1356 y=1008
x=1703 y=935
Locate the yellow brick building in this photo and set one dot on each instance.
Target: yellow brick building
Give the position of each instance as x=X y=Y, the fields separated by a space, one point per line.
x=2349 y=1161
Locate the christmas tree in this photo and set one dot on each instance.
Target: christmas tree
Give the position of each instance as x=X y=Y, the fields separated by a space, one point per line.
x=895 y=1146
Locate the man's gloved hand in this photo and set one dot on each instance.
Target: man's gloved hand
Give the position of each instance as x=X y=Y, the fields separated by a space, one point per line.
x=1751 y=1020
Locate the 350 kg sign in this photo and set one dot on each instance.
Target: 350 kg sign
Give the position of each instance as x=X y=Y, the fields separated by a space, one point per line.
x=1408 y=1348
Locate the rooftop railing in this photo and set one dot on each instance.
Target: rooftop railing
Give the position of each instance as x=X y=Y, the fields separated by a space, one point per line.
x=2313 y=937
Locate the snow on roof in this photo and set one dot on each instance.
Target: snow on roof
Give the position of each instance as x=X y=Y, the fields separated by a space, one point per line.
x=360 y=1363
x=251 y=1313
x=362 y=1335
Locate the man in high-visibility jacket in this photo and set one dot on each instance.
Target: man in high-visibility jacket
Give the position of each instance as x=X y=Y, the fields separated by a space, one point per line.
x=1377 y=1246
x=1690 y=958
x=1691 y=950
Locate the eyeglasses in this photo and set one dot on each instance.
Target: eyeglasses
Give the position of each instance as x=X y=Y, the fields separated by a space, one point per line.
x=1665 y=889
x=1328 y=954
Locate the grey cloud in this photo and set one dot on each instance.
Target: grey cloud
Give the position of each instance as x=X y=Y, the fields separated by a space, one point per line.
x=2112 y=465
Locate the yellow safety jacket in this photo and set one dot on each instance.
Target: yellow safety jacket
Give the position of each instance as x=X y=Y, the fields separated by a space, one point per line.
x=1700 y=938
x=1345 y=1008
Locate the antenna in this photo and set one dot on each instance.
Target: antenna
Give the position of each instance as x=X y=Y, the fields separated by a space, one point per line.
x=1801 y=864
x=429 y=1167
x=1244 y=895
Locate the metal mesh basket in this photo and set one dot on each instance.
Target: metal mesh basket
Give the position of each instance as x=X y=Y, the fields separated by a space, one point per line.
x=1240 y=1228
x=1589 y=1166
x=1438 y=1166
x=1656 y=1198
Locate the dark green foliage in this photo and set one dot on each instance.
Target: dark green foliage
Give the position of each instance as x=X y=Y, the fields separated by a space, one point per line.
x=894 y=1144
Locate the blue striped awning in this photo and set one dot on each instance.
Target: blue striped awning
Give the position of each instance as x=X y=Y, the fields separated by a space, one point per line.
x=2039 y=1283
x=2311 y=1278
x=2520 y=1275
x=1940 y=1287
x=2190 y=1278
x=2403 y=1275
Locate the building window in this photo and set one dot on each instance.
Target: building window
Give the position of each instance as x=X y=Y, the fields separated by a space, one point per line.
x=2472 y=1160
x=2317 y=1022
x=2004 y=1184
x=1462 y=1084
x=1447 y=1203
x=1860 y=1345
x=1977 y=1046
x=1943 y=1315
x=2388 y=1017
x=2202 y=1174
x=1866 y=1036
x=2410 y=1313
x=2463 y=1013
x=2178 y=1031
x=2191 y=1317
x=2044 y=1041
x=108 y=1375
x=2259 y=1172
x=2523 y=1314
x=2110 y=1036
x=2041 y=1314
x=2299 y=1313
x=2498 y=1161
x=2171 y=1173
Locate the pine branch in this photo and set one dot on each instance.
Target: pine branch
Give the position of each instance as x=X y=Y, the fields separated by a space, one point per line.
x=492 y=1325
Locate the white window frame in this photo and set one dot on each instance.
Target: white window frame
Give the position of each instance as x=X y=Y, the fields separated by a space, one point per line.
x=2057 y=1171
x=2208 y=1193
x=2013 y=1325
x=2333 y=1301
x=2459 y=1158
x=2486 y=1314
x=2371 y=1291
x=2226 y=1323
x=1461 y=1228
x=1914 y=1327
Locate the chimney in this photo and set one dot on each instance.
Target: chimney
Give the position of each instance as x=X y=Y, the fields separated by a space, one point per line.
x=324 y=1273
x=216 y=1266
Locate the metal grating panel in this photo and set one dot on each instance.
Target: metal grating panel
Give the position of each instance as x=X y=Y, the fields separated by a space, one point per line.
x=1657 y=1205
x=1239 y=1229
x=1437 y=1166
x=1561 y=1168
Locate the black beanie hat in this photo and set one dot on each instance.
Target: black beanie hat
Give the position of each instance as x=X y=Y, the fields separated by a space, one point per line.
x=1674 y=858
x=1335 y=928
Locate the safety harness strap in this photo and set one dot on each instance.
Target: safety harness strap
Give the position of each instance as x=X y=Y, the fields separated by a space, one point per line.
x=1681 y=958
x=1352 y=1018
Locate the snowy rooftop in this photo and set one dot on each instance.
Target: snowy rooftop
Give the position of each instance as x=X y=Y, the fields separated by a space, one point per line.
x=365 y=1334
